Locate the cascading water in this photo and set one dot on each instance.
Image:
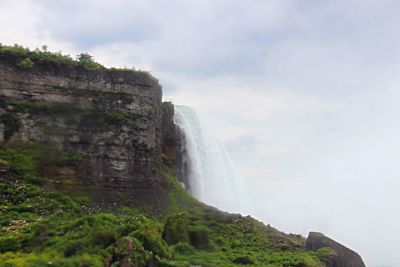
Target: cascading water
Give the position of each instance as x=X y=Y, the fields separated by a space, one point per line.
x=212 y=176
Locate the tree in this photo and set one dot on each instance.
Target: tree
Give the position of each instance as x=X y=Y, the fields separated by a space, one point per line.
x=87 y=61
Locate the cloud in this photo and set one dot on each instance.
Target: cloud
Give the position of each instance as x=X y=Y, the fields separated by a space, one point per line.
x=98 y=23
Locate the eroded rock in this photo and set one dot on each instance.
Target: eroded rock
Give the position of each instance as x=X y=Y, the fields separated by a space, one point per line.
x=114 y=119
x=343 y=256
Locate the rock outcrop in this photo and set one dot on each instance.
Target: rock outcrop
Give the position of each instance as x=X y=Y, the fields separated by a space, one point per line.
x=341 y=255
x=121 y=145
x=76 y=109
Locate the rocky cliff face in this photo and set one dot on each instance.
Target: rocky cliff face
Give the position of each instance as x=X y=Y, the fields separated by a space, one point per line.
x=116 y=138
x=76 y=109
x=341 y=256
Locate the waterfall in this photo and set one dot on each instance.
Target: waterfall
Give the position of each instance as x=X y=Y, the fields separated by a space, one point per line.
x=212 y=176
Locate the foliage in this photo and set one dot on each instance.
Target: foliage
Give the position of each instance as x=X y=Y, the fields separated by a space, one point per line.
x=15 y=49
x=28 y=58
x=49 y=226
x=176 y=228
x=37 y=55
x=99 y=97
x=88 y=118
x=32 y=160
x=85 y=60
x=11 y=123
x=26 y=63
x=40 y=228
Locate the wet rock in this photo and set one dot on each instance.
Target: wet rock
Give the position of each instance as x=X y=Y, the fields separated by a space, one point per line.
x=114 y=119
x=342 y=256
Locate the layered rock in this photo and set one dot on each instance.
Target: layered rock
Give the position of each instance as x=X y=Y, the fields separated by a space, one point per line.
x=120 y=135
x=76 y=109
x=341 y=256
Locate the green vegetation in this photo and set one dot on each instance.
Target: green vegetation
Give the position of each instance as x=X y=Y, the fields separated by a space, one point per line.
x=85 y=60
x=176 y=229
x=99 y=97
x=37 y=55
x=89 y=118
x=11 y=124
x=28 y=58
x=31 y=161
x=41 y=228
x=26 y=63
x=104 y=119
x=41 y=108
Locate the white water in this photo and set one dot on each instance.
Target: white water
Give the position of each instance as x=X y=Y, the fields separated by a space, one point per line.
x=213 y=177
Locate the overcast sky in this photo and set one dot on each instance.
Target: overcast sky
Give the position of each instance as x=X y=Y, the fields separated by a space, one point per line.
x=304 y=94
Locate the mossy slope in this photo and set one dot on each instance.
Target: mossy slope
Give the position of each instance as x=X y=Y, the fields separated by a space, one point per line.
x=43 y=223
x=42 y=228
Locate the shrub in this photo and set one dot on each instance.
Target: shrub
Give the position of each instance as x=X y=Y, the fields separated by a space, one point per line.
x=15 y=50
x=56 y=58
x=198 y=236
x=33 y=179
x=11 y=243
x=176 y=229
x=31 y=107
x=104 y=231
x=11 y=123
x=243 y=260
x=26 y=63
x=85 y=60
x=184 y=249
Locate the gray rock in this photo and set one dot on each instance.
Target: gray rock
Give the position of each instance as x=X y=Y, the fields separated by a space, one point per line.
x=342 y=256
x=114 y=118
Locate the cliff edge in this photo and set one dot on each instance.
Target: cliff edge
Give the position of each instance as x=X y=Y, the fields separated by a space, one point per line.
x=88 y=159
x=113 y=119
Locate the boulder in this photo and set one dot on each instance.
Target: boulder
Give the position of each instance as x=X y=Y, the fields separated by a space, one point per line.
x=344 y=257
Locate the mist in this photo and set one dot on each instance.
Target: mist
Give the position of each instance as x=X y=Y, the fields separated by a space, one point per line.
x=328 y=165
x=303 y=94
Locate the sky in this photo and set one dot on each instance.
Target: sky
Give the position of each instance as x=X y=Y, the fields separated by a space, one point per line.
x=304 y=95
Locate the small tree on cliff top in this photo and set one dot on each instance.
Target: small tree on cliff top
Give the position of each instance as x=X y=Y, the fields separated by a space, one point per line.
x=87 y=61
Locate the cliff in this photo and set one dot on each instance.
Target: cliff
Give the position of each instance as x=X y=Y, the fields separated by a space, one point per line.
x=88 y=159
x=112 y=118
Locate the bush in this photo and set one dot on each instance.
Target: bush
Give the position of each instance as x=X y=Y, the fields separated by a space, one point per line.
x=243 y=260
x=15 y=50
x=85 y=60
x=198 y=237
x=11 y=123
x=11 y=243
x=26 y=63
x=28 y=57
x=104 y=231
x=176 y=229
x=184 y=249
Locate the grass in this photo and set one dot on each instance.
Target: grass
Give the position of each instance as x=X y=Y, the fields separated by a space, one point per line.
x=89 y=118
x=42 y=228
x=39 y=227
x=203 y=235
x=100 y=97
